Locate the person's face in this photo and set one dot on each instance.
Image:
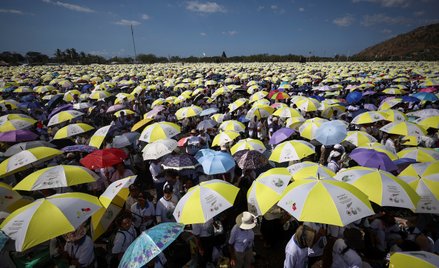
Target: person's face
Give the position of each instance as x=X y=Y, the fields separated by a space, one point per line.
x=141 y=199
x=126 y=223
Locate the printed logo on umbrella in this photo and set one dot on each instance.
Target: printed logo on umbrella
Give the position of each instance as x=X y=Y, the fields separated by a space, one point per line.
x=82 y=212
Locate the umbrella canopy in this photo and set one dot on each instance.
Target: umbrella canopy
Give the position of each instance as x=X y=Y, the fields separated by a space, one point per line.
x=343 y=203
x=64 y=116
x=280 y=135
x=204 y=201
x=310 y=126
x=99 y=136
x=141 y=124
x=150 y=243
x=259 y=111
x=65 y=212
x=359 y=138
x=232 y=125
x=102 y=219
x=16 y=124
x=403 y=128
x=408 y=259
x=354 y=97
x=422 y=177
x=159 y=131
x=26 y=158
x=16 y=148
x=216 y=163
x=426 y=96
x=126 y=139
x=55 y=177
x=330 y=133
x=267 y=190
x=291 y=150
x=103 y=158
x=117 y=192
x=8 y=196
x=425 y=113
x=180 y=162
x=72 y=130
x=248 y=144
x=79 y=148
x=208 y=111
x=206 y=124
x=308 y=169
x=380 y=186
x=420 y=154
x=224 y=137
x=429 y=122
x=249 y=159
x=286 y=112
x=368 y=117
x=17 y=136
x=158 y=148
x=372 y=158
x=187 y=112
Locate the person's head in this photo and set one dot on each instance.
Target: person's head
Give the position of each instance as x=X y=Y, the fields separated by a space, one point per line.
x=167 y=191
x=134 y=190
x=246 y=220
x=354 y=239
x=305 y=236
x=125 y=222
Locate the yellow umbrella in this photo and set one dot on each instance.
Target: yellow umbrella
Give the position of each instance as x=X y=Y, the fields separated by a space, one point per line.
x=99 y=136
x=72 y=130
x=97 y=95
x=26 y=158
x=308 y=169
x=187 y=112
x=410 y=259
x=236 y=104
x=342 y=202
x=393 y=115
x=367 y=118
x=224 y=137
x=125 y=111
x=102 y=219
x=158 y=131
x=267 y=189
x=287 y=112
x=291 y=150
x=232 y=125
x=117 y=192
x=259 y=111
x=380 y=148
x=429 y=122
x=248 y=144
x=205 y=201
x=141 y=124
x=420 y=154
x=310 y=126
x=359 y=138
x=8 y=196
x=56 y=177
x=62 y=213
x=63 y=116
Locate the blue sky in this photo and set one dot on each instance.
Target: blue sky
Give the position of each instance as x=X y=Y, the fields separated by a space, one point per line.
x=197 y=28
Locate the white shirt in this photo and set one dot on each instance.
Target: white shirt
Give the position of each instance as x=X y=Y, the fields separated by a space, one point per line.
x=348 y=259
x=123 y=240
x=139 y=213
x=295 y=257
x=83 y=252
x=165 y=208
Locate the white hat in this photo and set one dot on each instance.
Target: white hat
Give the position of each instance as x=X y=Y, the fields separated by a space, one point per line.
x=246 y=220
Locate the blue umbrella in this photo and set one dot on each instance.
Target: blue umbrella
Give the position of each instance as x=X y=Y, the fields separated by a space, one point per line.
x=425 y=96
x=330 y=133
x=217 y=163
x=55 y=100
x=354 y=97
x=410 y=99
x=150 y=244
x=79 y=148
x=319 y=98
x=204 y=152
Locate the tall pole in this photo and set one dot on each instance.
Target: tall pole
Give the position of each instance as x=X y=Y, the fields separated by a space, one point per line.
x=134 y=45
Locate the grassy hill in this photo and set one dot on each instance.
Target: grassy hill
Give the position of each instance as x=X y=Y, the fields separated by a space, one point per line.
x=419 y=44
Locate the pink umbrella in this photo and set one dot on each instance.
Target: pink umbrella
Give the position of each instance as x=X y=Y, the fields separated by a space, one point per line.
x=428 y=89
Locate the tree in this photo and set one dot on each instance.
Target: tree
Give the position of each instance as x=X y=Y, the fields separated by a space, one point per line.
x=36 y=58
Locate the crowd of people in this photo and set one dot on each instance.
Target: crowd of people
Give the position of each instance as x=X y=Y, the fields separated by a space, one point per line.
x=236 y=237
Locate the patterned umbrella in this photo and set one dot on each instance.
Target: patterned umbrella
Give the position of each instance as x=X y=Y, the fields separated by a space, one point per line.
x=250 y=159
x=79 y=148
x=150 y=243
x=180 y=162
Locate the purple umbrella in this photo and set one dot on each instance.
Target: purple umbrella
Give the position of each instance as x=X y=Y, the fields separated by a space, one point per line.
x=115 y=108
x=18 y=135
x=373 y=159
x=280 y=135
x=61 y=108
x=78 y=148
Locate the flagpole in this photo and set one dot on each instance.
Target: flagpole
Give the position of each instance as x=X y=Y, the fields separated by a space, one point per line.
x=134 y=44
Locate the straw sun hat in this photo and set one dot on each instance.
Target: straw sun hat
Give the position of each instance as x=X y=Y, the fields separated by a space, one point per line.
x=246 y=220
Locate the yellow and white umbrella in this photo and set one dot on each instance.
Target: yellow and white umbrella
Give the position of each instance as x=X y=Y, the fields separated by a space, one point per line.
x=15 y=122
x=329 y=111
x=49 y=217
x=423 y=178
x=379 y=148
x=429 y=122
x=24 y=159
x=308 y=104
x=404 y=128
x=219 y=118
x=359 y=138
x=248 y=144
x=187 y=112
x=259 y=111
x=368 y=117
x=394 y=115
x=233 y=125
x=56 y=177
x=258 y=96
x=99 y=136
x=8 y=196
x=204 y=201
x=308 y=169
x=102 y=219
x=63 y=116
x=382 y=187
x=224 y=137
x=72 y=130
x=287 y=112
x=124 y=111
x=291 y=150
x=310 y=126
x=267 y=189
x=409 y=259
x=295 y=122
x=97 y=95
x=117 y=192
x=236 y=104
x=342 y=202
x=420 y=154
x=160 y=130
x=388 y=104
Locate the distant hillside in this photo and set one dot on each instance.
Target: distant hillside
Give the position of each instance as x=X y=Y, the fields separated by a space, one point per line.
x=419 y=44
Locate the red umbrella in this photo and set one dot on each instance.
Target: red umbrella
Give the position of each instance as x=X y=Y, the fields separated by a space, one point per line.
x=181 y=142
x=103 y=158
